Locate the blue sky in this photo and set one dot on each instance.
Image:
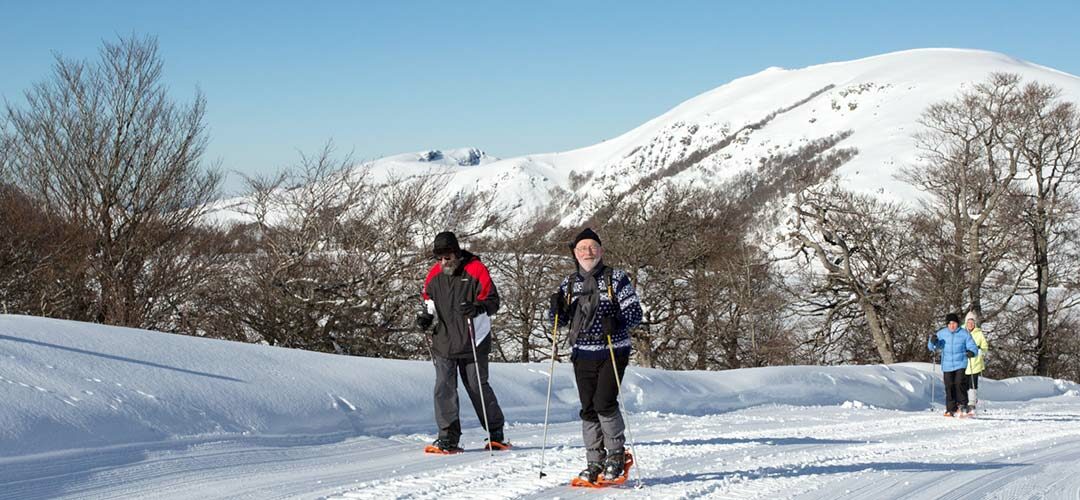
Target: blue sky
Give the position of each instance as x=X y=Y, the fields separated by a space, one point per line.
x=509 y=77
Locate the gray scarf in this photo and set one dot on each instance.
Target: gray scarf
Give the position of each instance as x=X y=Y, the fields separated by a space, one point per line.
x=585 y=312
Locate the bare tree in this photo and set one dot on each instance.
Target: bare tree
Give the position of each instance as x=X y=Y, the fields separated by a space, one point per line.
x=42 y=260
x=335 y=260
x=102 y=146
x=525 y=263
x=1050 y=148
x=970 y=146
x=707 y=289
x=863 y=250
x=296 y=288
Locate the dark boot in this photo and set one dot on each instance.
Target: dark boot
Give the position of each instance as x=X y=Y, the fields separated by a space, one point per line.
x=614 y=465
x=592 y=472
x=446 y=445
x=497 y=442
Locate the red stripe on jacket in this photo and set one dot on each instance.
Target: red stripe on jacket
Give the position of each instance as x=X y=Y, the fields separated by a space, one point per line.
x=435 y=270
x=478 y=271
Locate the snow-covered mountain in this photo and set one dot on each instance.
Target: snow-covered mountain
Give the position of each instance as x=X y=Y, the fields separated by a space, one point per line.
x=730 y=129
x=92 y=411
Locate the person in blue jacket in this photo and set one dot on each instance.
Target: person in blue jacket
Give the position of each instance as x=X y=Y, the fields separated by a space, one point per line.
x=956 y=345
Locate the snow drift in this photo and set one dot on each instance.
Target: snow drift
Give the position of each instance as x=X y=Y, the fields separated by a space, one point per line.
x=77 y=386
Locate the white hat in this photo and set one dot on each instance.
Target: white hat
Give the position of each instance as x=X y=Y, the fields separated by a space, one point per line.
x=972 y=316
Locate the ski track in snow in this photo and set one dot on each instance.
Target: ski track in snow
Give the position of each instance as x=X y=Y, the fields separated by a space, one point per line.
x=1017 y=450
x=779 y=452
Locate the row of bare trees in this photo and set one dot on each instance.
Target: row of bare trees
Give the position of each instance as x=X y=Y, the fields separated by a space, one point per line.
x=106 y=198
x=995 y=233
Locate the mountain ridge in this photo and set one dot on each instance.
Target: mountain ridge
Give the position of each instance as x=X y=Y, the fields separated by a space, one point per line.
x=876 y=101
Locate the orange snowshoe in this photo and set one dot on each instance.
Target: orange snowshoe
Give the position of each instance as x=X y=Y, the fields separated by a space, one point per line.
x=498 y=446
x=579 y=482
x=443 y=447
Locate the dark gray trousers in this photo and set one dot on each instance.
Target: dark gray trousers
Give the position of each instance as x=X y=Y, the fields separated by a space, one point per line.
x=955 y=390
x=602 y=424
x=446 y=395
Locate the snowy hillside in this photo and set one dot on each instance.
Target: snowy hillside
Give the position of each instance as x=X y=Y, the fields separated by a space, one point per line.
x=101 y=412
x=732 y=128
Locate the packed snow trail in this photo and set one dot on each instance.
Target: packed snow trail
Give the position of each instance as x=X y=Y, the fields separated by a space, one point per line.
x=95 y=412
x=1016 y=450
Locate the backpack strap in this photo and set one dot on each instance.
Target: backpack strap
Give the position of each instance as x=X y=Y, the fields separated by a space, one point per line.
x=610 y=285
x=611 y=290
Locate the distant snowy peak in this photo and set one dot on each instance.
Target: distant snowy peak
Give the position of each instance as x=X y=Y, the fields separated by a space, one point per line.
x=466 y=157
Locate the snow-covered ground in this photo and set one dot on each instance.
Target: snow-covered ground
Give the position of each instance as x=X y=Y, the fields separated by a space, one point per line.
x=100 y=412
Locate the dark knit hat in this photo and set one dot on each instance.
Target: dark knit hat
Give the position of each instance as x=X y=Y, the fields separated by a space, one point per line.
x=445 y=242
x=587 y=234
x=949 y=318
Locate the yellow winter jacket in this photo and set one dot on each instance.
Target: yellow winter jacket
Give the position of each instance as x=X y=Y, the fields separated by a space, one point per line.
x=976 y=365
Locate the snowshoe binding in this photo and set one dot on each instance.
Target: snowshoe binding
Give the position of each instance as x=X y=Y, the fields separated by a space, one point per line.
x=590 y=476
x=498 y=443
x=443 y=446
x=613 y=471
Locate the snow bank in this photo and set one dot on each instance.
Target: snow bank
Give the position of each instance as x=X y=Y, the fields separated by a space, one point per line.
x=69 y=385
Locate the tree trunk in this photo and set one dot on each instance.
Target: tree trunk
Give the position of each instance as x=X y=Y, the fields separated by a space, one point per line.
x=1042 y=278
x=700 y=344
x=975 y=271
x=878 y=331
x=731 y=344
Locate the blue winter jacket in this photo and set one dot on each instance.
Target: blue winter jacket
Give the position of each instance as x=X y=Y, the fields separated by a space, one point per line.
x=953 y=345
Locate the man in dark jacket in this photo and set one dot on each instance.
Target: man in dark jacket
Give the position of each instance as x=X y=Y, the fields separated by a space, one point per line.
x=600 y=305
x=459 y=299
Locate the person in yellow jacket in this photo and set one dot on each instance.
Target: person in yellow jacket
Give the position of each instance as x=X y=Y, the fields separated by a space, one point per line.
x=976 y=364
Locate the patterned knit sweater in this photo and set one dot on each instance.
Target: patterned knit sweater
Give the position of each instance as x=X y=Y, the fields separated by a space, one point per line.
x=592 y=342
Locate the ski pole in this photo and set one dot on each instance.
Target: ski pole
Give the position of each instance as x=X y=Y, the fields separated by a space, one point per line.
x=618 y=394
x=933 y=380
x=551 y=377
x=423 y=332
x=973 y=392
x=480 y=386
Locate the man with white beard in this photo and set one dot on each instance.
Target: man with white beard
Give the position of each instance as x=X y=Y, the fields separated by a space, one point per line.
x=601 y=306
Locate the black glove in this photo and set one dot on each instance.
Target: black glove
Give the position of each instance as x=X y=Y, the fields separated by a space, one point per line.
x=969 y=354
x=423 y=320
x=472 y=309
x=611 y=324
x=558 y=304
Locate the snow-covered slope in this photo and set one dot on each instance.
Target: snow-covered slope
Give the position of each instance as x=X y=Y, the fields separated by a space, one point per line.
x=91 y=411
x=727 y=130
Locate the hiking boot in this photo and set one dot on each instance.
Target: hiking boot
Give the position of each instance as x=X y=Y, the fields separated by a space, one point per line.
x=446 y=445
x=497 y=442
x=592 y=472
x=614 y=465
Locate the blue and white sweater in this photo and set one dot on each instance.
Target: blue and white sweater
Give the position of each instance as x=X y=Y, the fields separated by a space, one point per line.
x=591 y=342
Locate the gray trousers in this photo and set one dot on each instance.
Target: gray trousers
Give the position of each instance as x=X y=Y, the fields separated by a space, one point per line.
x=446 y=395
x=602 y=425
x=603 y=436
